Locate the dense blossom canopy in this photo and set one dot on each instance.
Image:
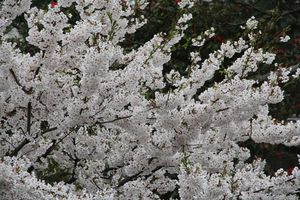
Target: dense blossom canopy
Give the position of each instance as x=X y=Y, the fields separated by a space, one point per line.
x=81 y=103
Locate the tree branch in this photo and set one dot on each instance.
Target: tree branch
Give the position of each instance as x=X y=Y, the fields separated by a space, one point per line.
x=25 y=142
x=48 y=151
x=18 y=148
x=27 y=91
x=113 y=120
x=29 y=108
x=270 y=187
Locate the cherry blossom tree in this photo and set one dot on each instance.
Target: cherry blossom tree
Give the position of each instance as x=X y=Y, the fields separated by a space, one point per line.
x=81 y=102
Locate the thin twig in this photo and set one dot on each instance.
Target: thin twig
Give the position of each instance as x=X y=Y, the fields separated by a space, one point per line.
x=26 y=141
x=27 y=91
x=113 y=120
x=29 y=108
x=49 y=150
x=270 y=187
x=221 y=110
x=18 y=148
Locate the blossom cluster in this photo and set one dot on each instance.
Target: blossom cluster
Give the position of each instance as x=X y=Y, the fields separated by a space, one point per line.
x=81 y=102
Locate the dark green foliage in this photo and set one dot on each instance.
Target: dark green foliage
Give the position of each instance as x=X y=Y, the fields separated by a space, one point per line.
x=54 y=173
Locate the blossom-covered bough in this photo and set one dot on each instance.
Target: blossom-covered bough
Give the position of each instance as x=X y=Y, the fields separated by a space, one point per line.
x=80 y=102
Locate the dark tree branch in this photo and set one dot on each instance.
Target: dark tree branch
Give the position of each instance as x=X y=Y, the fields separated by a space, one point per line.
x=36 y=72
x=29 y=108
x=49 y=130
x=127 y=179
x=270 y=187
x=113 y=120
x=73 y=178
x=49 y=150
x=221 y=110
x=25 y=142
x=134 y=177
x=18 y=148
x=27 y=91
x=96 y=184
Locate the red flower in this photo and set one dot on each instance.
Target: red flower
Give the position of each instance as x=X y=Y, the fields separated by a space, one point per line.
x=53 y=4
x=279 y=51
x=219 y=38
x=177 y=1
x=297 y=106
x=296 y=41
x=278 y=154
x=290 y=170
